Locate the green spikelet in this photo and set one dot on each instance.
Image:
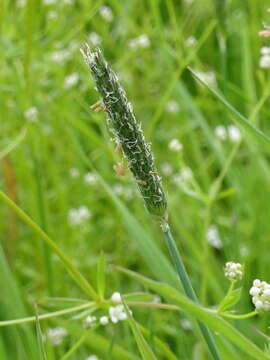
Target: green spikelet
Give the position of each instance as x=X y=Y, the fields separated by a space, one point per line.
x=128 y=133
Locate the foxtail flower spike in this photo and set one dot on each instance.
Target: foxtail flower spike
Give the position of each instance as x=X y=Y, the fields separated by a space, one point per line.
x=128 y=133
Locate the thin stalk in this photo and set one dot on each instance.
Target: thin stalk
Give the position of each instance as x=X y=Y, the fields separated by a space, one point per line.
x=73 y=271
x=186 y=283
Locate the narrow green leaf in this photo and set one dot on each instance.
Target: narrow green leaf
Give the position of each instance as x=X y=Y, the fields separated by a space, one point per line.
x=145 y=350
x=101 y=277
x=230 y=299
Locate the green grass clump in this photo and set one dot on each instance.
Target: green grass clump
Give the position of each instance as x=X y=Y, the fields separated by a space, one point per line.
x=62 y=204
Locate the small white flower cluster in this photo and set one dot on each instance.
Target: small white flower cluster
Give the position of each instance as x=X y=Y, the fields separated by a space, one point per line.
x=213 y=237
x=172 y=107
x=141 y=41
x=90 y=178
x=106 y=13
x=126 y=192
x=183 y=177
x=166 y=169
x=92 y=357
x=31 y=114
x=232 y=133
x=264 y=61
x=94 y=38
x=116 y=313
x=78 y=216
x=61 y=56
x=175 y=145
x=71 y=80
x=208 y=77
x=191 y=41
x=233 y=271
x=57 y=335
x=186 y=324
x=260 y=292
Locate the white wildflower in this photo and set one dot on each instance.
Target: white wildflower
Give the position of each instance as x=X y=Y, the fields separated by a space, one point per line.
x=183 y=177
x=221 y=132
x=172 y=107
x=260 y=292
x=106 y=13
x=52 y=14
x=208 y=77
x=265 y=50
x=49 y=2
x=92 y=357
x=78 y=216
x=71 y=80
x=117 y=313
x=74 y=173
x=264 y=62
x=141 y=41
x=94 y=38
x=21 y=3
x=175 y=145
x=116 y=297
x=56 y=335
x=213 y=237
x=166 y=169
x=89 y=321
x=104 y=320
x=90 y=178
x=233 y=271
x=31 y=114
x=61 y=56
x=191 y=41
x=234 y=133
x=186 y=324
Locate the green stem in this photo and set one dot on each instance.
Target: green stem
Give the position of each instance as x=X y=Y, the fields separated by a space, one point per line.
x=242 y=316
x=46 y=316
x=74 y=272
x=184 y=278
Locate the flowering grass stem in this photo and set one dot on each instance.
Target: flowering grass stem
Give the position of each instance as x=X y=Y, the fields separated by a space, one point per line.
x=186 y=283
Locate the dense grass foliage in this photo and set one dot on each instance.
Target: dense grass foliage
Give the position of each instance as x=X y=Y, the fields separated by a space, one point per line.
x=60 y=166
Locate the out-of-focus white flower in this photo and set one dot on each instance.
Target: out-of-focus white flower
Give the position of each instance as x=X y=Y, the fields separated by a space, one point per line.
x=208 y=77
x=175 y=145
x=186 y=324
x=106 y=13
x=191 y=41
x=265 y=50
x=94 y=38
x=89 y=321
x=90 y=178
x=92 y=357
x=264 y=62
x=260 y=292
x=221 y=132
x=104 y=320
x=52 y=14
x=74 y=173
x=141 y=41
x=61 y=56
x=116 y=297
x=183 y=177
x=31 y=114
x=78 y=216
x=117 y=313
x=56 y=335
x=166 y=169
x=234 y=133
x=233 y=271
x=213 y=237
x=49 y=2
x=124 y=191
x=21 y=3
x=172 y=107
x=71 y=80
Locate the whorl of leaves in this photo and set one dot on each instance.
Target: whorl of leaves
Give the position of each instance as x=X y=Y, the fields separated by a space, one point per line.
x=128 y=132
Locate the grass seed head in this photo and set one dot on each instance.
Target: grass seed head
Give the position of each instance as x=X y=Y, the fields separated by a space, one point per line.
x=128 y=132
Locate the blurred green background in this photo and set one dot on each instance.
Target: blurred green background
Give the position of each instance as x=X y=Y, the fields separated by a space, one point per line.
x=51 y=143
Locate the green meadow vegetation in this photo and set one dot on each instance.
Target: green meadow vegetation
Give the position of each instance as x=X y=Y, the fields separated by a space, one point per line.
x=88 y=269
